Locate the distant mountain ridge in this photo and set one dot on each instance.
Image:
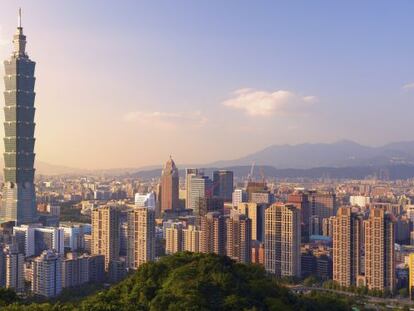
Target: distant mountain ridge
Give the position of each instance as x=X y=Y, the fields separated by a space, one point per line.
x=343 y=153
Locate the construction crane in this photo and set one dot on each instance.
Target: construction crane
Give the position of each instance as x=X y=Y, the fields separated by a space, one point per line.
x=250 y=175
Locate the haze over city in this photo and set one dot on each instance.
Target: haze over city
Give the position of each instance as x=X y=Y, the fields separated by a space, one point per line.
x=127 y=84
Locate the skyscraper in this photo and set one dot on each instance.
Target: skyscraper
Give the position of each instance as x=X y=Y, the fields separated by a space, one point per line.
x=347 y=246
x=47 y=274
x=256 y=213
x=191 y=239
x=105 y=233
x=174 y=238
x=379 y=250
x=169 y=187
x=141 y=236
x=14 y=268
x=19 y=191
x=223 y=184
x=282 y=240
x=239 y=237
x=212 y=234
x=189 y=172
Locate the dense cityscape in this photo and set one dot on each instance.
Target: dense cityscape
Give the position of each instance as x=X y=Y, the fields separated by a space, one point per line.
x=351 y=237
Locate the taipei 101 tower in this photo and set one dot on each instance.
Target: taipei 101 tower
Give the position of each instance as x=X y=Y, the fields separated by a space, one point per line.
x=19 y=203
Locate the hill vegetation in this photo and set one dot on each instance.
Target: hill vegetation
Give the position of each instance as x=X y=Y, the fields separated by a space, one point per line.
x=187 y=281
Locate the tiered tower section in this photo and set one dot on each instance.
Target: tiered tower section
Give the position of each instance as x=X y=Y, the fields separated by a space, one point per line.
x=18 y=202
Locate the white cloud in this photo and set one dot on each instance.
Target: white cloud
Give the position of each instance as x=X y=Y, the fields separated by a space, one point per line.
x=263 y=103
x=408 y=86
x=166 y=119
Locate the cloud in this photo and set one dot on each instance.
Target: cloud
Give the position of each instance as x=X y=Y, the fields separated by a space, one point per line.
x=166 y=119
x=263 y=103
x=408 y=86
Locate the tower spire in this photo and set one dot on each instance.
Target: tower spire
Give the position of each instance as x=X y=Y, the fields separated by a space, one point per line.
x=19 y=18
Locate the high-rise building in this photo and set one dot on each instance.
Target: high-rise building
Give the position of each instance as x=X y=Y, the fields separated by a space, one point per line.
x=327 y=226
x=47 y=274
x=200 y=190
x=347 y=230
x=223 y=184
x=33 y=239
x=411 y=276
x=379 y=231
x=282 y=240
x=141 y=236
x=174 y=238
x=14 y=268
x=18 y=203
x=169 y=187
x=105 y=233
x=145 y=199
x=256 y=213
x=75 y=270
x=191 y=239
x=189 y=172
x=301 y=201
x=74 y=235
x=239 y=196
x=212 y=234
x=239 y=237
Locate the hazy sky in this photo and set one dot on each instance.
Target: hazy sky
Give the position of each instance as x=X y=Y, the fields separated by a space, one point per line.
x=127 y=83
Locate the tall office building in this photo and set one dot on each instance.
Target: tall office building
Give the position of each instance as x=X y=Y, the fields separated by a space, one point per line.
x=14 y=268
x=239 y=237
x=18 y=203
x=379 y=231
x=191 y=239
x=105 y=233
x=212 y=234
x=282 y=240
x=174 y=238
x=301 y=201
x=223 y=184
x=256 y=213
x=141 y=236
x=189 y=172
x=47 y=274
x=200 y=190
x=169 y=187
x=347 y=233
x=239 y=196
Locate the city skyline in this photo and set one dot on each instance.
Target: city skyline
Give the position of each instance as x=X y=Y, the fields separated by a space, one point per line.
x=202 y=76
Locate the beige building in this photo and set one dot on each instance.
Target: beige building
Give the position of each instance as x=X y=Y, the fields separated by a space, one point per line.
x=141 y=236
x=238 y=239
x=212 y=233
x=347 y=230
x=174 y=238
x=191 y=239
x=105 y=233
x=411 y=275
x=379 y=250
x=282 y=240
x=256 y=213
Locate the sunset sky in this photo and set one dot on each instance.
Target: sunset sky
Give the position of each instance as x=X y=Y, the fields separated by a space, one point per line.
x=127 y=83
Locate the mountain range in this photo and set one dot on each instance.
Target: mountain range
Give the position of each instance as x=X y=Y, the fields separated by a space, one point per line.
x=343 y=153
x=284 y=159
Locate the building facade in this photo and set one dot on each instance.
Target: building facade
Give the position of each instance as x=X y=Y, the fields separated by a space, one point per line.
x=18 y=202
x=282 y=240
